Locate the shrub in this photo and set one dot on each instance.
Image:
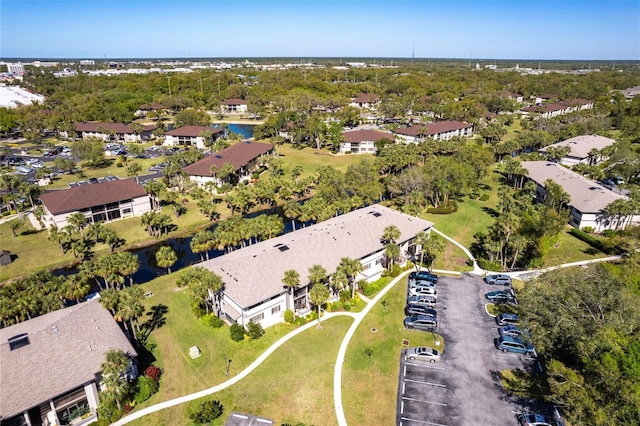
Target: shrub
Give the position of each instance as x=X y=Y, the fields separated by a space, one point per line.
x=254 y=330
x=593 y=241
x=369 y=289
x=153 y=372
x=484 y=197
x=345 y=295
x=300 y=321
x=145 y=387
x=450 y=207
x=607 y=233
x=197 y=309
x=587 y=229
x=211 y=320
x=395 y=270
x=119 y=164
x=336 y=306
x=289 y=316
x=347 y=306
x=236 y=332
x=207 y=412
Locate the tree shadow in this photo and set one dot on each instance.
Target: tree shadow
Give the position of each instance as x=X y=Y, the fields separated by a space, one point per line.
x=31 y=231
x=491 y=212
x=157 y=318
x=591 y=251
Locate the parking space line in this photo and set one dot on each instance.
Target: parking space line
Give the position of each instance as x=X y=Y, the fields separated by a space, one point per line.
x=442 y=404
x=426 y=383
x=432 y=367
x=404 y=384
x=424 y=422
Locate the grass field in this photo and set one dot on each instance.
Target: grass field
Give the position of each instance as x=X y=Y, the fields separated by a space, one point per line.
x=370 y=385
x=570 y=249
x=301 y=372
x=311 y=159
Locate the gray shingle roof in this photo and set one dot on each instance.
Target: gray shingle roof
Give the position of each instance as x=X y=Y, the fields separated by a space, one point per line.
x=254 y=274
x=581 y=145
x=586 y=195
x=66 y=350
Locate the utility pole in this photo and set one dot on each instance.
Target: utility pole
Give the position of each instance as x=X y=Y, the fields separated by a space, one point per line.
x=169 y=83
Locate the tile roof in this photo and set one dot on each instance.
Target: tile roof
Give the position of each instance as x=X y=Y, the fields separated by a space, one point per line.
x=581 y=145
x=66 y=349
x=193 y=131
x=430 y=129
x=366 y=135
x=254 y=273
x=586 y=195
x=95 y=194
x=365 y=98
x=119 y=128
x=239 y=155
x=234 y=102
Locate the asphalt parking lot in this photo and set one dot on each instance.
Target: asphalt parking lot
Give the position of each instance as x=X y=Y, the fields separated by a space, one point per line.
x=464 y=387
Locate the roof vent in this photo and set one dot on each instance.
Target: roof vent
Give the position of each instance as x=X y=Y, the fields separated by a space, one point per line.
x=282 y=247
x=218 y=156
x=18 y=341
x=376 y=214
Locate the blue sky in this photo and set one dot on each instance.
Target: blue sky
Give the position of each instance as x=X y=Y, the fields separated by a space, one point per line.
x=480 y=29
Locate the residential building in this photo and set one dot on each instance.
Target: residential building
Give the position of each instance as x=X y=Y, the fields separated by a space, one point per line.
x=99 y=202
x=16 y=69
x=111 y=132
x=362 y=141
x=252 y=276
x=588 y=199
x=50 y=366
x=234 y=106
x=559 y=108
x=191 y=135
x=439 y=130
x=365 y=101
x=243 y=156
x=581 y=147
x=145 y=109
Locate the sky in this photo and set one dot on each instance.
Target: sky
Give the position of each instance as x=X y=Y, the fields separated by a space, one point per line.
x=477 y=29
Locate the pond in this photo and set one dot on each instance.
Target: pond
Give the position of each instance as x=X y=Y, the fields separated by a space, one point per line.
x=246 y=130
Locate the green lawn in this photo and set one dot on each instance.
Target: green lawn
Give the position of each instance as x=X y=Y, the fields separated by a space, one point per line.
x=370 y=386
x=311 y=159
x=570 y=249
x=472 y=216
x=301 y=372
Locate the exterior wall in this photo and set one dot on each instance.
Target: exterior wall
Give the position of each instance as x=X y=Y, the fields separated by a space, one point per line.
x=197 y=141
x=572 y=161
x=234 y=109
x=363 y=147
x=135 y=207
x=267 y=314
x=201 y=180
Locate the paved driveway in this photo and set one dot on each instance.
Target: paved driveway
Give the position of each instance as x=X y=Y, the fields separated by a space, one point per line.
x=464 y=388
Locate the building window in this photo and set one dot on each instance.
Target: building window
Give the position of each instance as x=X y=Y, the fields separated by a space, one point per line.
x=126 y=211
x=366 y=266
x=275 y=309
x=257 y=318
x=379 y=261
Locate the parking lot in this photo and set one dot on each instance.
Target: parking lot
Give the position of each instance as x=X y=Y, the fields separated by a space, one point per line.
x=464 y=386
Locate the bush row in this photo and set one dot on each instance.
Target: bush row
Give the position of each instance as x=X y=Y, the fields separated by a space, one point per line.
x=450 y=207
x=594 y=242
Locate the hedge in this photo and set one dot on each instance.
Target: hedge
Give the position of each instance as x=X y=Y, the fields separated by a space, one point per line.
x=594 y=242
x=450 y=207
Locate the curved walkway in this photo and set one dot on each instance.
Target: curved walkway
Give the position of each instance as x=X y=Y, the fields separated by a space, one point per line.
x=235 y=379
x=477 y=270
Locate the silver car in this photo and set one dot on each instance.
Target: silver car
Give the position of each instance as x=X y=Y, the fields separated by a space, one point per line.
x=422 y=353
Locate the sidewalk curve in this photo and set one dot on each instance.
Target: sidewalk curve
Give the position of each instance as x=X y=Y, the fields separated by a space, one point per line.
x=235 y=379
x=477 y=270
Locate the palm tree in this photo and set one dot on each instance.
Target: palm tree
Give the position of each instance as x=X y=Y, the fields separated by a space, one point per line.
x=292 y=210
x=317 y=274
x=390 y=234
x=154 y=188
x=392 y=251
x=166 y=257
x=433 y=247
x=130 y=307
x=291 y=280
x=76 y=287
x=133 y=170
x=117 y=387
x=351 y=267
x=421 y=239
x=127 y=264
x=78 y=221
x=110 y=299
x=319 y=295
x=15 y=225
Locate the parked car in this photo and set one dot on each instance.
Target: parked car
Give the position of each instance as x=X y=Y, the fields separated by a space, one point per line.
x=93 y=180
x=498 y=279
x=421 y=283
x=500 y=296
x=413 y=309
x=514 y=344
x=37 y=165
x=423 y=299
x=506 y=319
x=424 y=275
x=422 y=290
x=535 y=419
x=421 y=322
x=513 y=331
x=423 y=353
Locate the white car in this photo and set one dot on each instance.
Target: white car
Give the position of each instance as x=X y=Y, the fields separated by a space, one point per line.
x=415 y=291
x=423 y=353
